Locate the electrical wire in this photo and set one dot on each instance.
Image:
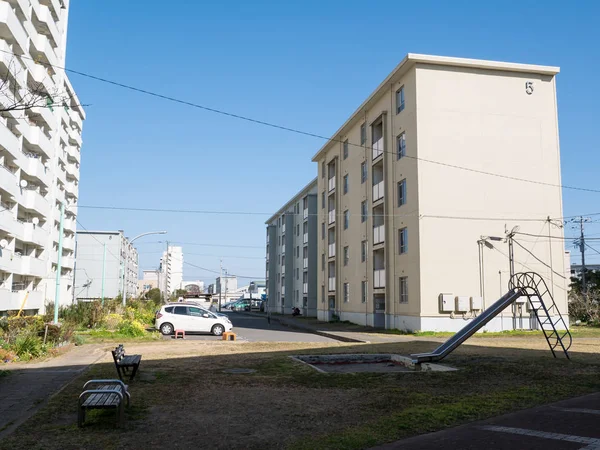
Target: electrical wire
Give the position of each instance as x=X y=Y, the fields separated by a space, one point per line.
x=538 y=259
x=219 y=272
x=289 y=129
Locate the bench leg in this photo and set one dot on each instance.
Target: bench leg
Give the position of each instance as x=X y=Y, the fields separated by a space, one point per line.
x=80 y=416
x=133 y=372
x=119 y=373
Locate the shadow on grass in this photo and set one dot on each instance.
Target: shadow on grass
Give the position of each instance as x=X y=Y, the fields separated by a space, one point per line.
x=183 y=398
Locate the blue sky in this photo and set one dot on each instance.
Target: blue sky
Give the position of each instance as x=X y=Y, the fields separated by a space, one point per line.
x=304 y=65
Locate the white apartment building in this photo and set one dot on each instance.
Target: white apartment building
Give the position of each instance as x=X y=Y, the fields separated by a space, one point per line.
x=150 y=280
x=101 y=259
x=292 y=249
x=40 y=152
x=408 y=239
x=171 y=270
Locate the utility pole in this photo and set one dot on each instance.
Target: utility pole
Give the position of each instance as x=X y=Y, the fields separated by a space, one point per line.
x=103 y=272
x=220 y=281
x=226 y=285
x=167 y=271
x=59 y=262
x=581 y=221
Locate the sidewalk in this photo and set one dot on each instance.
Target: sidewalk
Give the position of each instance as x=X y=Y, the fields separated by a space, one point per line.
x=345 y=332
x=29 y=385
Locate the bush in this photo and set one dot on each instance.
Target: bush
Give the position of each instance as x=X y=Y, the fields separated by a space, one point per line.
x=6 y=355
x=28 y=346
x=584 y=307
x=132 y=328
x=112 y=321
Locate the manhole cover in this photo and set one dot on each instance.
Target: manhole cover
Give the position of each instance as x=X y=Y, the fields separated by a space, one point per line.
x=239 y=371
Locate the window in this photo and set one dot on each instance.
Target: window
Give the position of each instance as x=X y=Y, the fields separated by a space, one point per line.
x=400 y=100
x=297 y=296
x=363 y=134
x=402 y=192
x=346 y=292
x=363 y=172
x=297 y=251
x=401 y=145
x=363 y=251
x=345 y=184
x=298 y=208
x=297 y=273
x=346 y=219
x=363 y=291
x=363 y=211
x=323 y=200
x=169 y=309
x=403 y=290
x=323 y=169
x=346 y=256
x=345 y=149
x=298 y=230
x=279 y=238
x=322 y=294
x=180 y=310
x=402 y=240
x=279 y=222
x=323 y=230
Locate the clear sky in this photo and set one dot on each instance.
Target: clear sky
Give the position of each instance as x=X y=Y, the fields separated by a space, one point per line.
x=301 y=64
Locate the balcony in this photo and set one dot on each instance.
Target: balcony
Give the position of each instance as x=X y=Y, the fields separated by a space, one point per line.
x=74 y=153
x=12 y=64
x=305 y=238
x=305 y=214
x=283 y=228
x=74 y=137
x=283 y=249
x=61 y=174
x=378 y=191
x=33 y=200
x=35 y=234
x=331 y=250
x=12 y=300
x=72 y=188
x=283 y=269
x=378 y=234
x=36 y=137
x=33 y=266
x=69 y=224
x=11 y=29
x=45 y=17
x=11 y=225
x=379 y=278
x=377 y=149
x=8 y=181
x=69 y=243
x=60 y=194
x=75 y=120
x=9 y=262
x=33 y=166
x=67 y=262
x=331 y=284
x=332 y=183
x=305 y=263
x=40 y=75
x=305 y=288
x=282 y=291
x=73 y=170
x=42 y=49
x=331 y=217
x=55 y=5
x=9 y=141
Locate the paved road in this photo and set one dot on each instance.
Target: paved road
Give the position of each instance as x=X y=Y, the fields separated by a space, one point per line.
x=257 y=329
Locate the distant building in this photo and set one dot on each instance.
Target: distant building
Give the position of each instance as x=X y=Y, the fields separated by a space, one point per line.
x=149 y=281
x=91 y=265
x=211 y=289
x=171 y=270
x=193 y=287
x=228 y=284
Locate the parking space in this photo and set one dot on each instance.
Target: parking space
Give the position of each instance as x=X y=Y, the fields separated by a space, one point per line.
x=570 y=424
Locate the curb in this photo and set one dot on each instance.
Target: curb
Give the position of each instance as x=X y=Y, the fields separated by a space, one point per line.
x=294 y=326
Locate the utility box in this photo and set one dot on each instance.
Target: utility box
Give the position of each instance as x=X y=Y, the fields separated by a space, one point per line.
x=446 y=303
x=521 y=300
x=462 y=304
x=476 y=303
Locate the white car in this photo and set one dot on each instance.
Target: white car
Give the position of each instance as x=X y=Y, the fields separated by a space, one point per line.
x=190 y=318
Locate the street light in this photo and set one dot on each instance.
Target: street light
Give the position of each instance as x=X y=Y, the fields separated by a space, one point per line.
x=125 y=262
x=484 y=240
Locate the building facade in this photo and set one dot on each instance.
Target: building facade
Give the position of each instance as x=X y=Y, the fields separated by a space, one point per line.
x=407 y=202
x=150 y=280
x=101 y=258
x=40 y=153
x=171 y=270
x=291 y=266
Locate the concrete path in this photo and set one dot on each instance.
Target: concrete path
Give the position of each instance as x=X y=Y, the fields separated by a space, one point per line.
x=569 y=424
x=29 y=385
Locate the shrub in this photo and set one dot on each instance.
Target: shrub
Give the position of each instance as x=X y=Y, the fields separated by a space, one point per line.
x=28 y=346
x=6 y=355
x=131 y=328
x=78 y=340
x=112 y=321
x=84 y=314
x=584 y=307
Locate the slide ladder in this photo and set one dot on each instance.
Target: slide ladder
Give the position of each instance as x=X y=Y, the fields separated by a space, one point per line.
x=541 y=302
x=527 y=284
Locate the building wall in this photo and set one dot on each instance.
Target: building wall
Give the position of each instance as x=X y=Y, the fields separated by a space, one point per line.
x=40 y=153
x=171 y=270
x=466 y=113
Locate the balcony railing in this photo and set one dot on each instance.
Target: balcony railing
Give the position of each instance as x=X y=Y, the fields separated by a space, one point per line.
x=332 y=183
x=305 y=238
x=331 y=284
x=11 y=28
x=378 y=191
x=379 y=278
x=305 y=288
x=331 y=250
x=305 y=214
x=305 y=263
x=35 y=234
x=33 y=266
x=331 y=216
x=378 y=234
x=377 y=149
x=282 y=269
x=8 y=181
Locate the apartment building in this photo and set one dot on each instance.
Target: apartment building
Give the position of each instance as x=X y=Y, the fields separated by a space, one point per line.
x=101 y=258
x=40 y=152
x=291 y=265
x=150 y=280
x=171 y=270
x=411 y=216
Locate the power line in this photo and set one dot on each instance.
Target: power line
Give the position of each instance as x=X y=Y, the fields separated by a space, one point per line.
x=564 y=238
x=288 y=129
x=218 y=272
x=538 y=259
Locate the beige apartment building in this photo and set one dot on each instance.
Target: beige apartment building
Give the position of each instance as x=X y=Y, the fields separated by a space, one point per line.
x=417 y=187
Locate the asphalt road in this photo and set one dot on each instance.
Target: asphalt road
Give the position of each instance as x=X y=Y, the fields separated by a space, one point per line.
x=257 y=329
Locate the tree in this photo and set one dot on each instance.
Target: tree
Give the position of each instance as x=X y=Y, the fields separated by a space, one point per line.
x=154 y=295
x=592 y=279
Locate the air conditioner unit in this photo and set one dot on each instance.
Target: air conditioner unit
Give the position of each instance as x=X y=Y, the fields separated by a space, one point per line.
x=446 y=302
x=476 y=303
x=462 y=304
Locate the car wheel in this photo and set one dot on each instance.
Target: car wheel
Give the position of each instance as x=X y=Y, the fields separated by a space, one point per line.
x=218 y=329
x=166 y=329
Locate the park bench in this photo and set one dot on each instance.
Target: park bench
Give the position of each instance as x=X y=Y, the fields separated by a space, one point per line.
x=125 y=362
x=103 y=394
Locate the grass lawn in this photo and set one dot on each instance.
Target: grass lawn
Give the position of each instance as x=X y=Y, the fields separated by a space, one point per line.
x=184 y=400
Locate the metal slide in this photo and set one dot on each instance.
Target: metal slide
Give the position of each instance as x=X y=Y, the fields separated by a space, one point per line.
x=465 y=333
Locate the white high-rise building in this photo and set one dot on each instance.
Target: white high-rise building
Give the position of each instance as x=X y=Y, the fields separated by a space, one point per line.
x=39 y=155
x=171 y=270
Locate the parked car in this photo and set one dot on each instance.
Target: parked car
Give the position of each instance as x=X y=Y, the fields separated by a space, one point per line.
x=190 y=318
x=241 y=305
